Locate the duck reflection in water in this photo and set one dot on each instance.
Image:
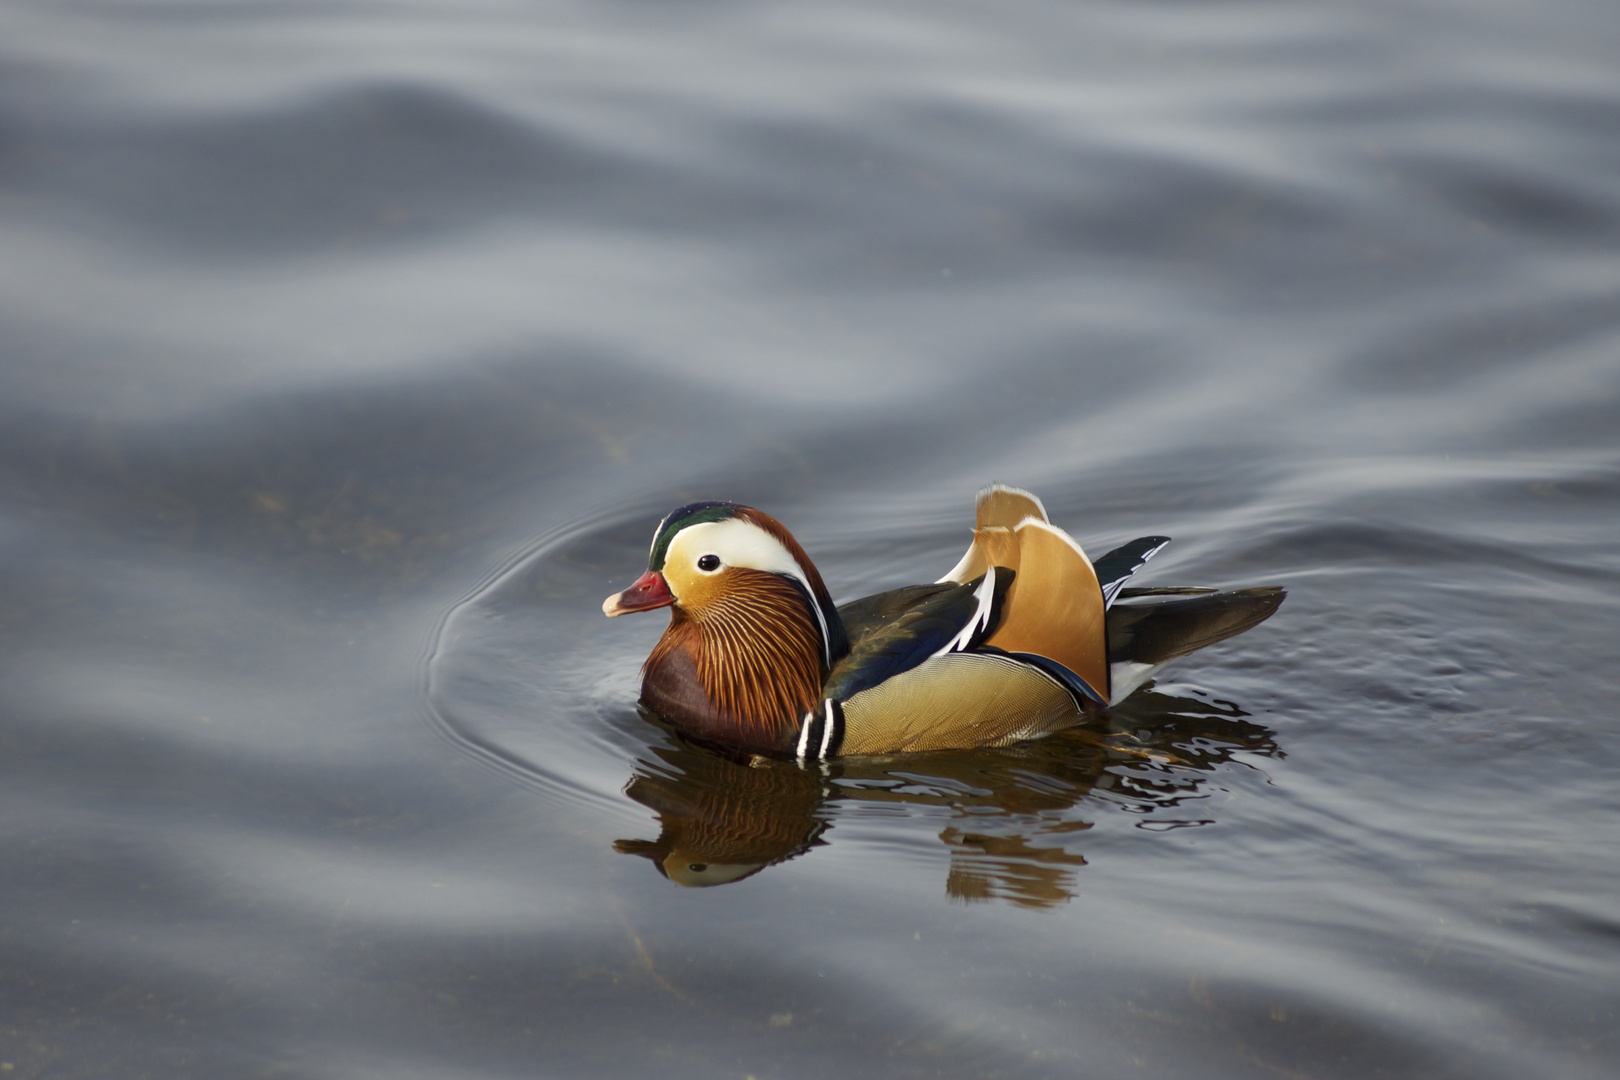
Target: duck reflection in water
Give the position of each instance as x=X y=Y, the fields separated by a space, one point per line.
x=1014 y=811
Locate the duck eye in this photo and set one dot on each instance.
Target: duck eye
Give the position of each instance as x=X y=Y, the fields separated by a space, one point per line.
x=697 y=867
x=709 y=563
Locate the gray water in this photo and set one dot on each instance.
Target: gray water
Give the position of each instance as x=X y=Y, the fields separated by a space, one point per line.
x=350 y=352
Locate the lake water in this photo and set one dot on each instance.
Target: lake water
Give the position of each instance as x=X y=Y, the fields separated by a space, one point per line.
x=351 y=351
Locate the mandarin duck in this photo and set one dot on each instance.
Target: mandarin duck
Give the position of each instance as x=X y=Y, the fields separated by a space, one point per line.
x=1020 y=639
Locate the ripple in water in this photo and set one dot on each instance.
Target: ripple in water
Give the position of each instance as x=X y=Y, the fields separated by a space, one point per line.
x=527 y=676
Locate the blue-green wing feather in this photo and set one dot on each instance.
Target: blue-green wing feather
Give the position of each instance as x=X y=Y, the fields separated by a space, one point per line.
x=894 y=631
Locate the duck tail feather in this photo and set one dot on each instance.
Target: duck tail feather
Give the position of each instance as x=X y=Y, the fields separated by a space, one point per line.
x=1154 y=632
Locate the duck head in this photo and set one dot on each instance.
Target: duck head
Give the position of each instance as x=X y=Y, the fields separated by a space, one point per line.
x=752 y=631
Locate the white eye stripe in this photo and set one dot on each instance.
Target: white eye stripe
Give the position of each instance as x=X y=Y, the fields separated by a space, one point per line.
x=735 y=543
x=744 y=544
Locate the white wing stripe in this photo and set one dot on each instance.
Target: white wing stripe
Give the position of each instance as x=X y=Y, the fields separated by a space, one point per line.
x=986 y=595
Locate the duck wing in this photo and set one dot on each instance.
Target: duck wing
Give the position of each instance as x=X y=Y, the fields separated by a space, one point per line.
x=893 y=632
x=921 y=675
x=1054 y=614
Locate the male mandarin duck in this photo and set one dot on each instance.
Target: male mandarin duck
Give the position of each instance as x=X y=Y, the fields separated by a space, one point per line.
x=1022 y=638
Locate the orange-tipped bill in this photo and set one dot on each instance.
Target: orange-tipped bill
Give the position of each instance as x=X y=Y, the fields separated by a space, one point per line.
x=649 y=591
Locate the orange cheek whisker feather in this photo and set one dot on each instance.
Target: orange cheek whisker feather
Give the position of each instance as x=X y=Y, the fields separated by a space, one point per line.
x=758 y=657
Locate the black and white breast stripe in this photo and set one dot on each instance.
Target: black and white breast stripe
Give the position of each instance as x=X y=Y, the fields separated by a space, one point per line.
x=821 y=733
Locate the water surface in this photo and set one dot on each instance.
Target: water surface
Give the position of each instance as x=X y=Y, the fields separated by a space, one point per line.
x=353 y=350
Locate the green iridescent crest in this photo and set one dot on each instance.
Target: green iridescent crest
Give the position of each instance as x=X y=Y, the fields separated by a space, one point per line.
x=690 y=514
